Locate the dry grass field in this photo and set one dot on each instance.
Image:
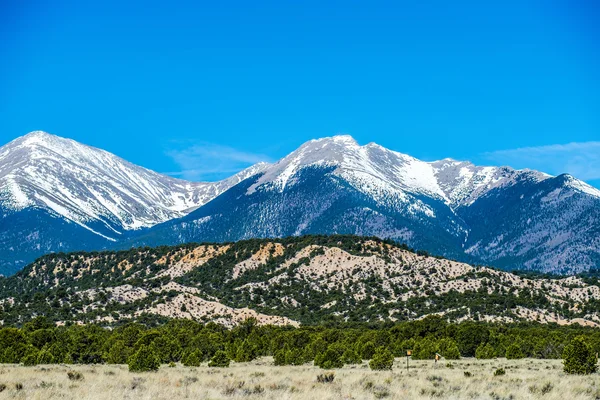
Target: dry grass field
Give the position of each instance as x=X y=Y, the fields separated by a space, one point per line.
x=524 y=379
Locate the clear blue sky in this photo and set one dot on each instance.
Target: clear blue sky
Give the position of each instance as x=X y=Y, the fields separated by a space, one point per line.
x=199 y=89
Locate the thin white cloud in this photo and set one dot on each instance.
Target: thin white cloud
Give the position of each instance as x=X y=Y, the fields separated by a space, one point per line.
x=208 y=161
x=580 y=159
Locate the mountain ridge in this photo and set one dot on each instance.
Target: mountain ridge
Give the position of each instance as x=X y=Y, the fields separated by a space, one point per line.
x=91 y=189
x=331 y=185
x=481 y=215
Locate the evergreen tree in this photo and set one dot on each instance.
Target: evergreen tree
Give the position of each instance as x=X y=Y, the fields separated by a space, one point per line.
x=31 y=357
x=118 y=353
x=484 y=352
x=220 y=359
x=45 y=357
x=383 y=359
x=143 y=360
x=579 y=358
x=425 y=349
x=246 y=351
x=193 y=358
x=329 y=359
x=449 y=349
x=367 y=350
x=351 y=356
x=514 y=352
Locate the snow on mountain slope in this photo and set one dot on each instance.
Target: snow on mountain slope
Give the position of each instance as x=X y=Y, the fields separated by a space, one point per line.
x=379 y=172
x=59 y=195
x=94 y=188
x=463 y=182
x=493 y=215
x=384 y=175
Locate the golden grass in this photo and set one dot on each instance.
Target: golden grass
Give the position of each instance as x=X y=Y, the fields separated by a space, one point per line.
x=524 y=379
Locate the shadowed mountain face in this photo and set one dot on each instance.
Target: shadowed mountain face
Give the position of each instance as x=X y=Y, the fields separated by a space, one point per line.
x=486 y=215
x=59 y=195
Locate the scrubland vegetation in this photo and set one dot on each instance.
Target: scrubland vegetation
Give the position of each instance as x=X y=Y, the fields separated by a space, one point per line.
x=300 y=280
x=146 y=348
x=260 y=379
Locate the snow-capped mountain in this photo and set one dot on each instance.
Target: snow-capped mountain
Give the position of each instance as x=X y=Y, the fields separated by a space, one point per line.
x=494 y=215
x=59 y=195
x=64 y=181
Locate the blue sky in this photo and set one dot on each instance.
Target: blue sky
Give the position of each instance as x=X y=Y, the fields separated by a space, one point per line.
x=202 y=89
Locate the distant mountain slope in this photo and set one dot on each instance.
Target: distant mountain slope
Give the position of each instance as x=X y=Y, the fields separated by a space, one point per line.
x=59 y=195
x=308 y=279
x=57 y=189
x=489 y=215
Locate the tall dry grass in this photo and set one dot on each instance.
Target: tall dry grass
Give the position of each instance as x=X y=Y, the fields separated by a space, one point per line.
x=524 y=379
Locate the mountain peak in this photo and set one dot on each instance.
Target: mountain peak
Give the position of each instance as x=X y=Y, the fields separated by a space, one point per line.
x=38 y=134
x=37 y=137
x=337 y=139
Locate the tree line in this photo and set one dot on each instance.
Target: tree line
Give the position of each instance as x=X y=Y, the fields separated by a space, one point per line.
x=145 y=348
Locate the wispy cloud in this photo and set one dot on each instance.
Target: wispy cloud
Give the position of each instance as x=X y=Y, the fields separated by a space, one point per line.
x=580 y=159
x=209 y=161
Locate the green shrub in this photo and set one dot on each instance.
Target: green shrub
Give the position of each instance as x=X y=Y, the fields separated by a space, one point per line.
x=484 y=352
x=579 y=358
x=514 y=352
x=45 y=357
x=143 y=360
x=331 y=358
x=30 y=358
x=220 y=360
x=294 y=357
x=279 y=358
x=425 y=349
x=351 y=356
x=499 y=372
x=192 y=358
x=367 y=350
x=118 y=353
x=383 y=359
x=246 y=352
x=449 y=349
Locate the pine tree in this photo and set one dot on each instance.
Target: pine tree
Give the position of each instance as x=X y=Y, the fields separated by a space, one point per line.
x=118 y=353
x=45 y=357
x=220 y=359
x=192 y=358
x=30 y=357
x=329 y=359
x=383 y=359
x=351 y=356
x=579 y=358
x=484 y=352
x=143 y=360
x=514 y=352
x=449 y=349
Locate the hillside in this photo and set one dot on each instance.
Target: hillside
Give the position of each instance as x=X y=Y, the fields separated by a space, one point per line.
x=294 y=280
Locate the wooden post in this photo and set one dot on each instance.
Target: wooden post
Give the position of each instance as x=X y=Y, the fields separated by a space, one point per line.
x=408 y=354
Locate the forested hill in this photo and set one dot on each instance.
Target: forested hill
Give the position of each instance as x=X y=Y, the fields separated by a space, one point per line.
x=297 y=280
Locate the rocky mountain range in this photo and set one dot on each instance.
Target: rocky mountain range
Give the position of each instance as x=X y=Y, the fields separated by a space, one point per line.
x=59 y=195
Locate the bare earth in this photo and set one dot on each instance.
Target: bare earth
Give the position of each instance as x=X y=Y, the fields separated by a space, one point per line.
x=524 y=379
